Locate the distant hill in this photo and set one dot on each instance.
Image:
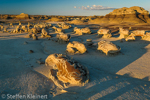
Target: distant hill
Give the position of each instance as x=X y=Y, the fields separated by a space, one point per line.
x=22 y=16
x=133 y=14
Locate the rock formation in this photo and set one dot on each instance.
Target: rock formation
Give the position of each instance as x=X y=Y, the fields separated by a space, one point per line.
x=131 y=10
x=76 y=47
x=82 y=31
x=133 y=14
x=105 y=32
x=63 y=37
x=22 y=16
x=77 y=31
x=76 y=21
x=146 y=36
x=139 y=32
x=45 y=33
x=123 y=33
x=108 y=47
x=35 y=37
x=131 y=37
x=58 y=30
x=64 y=71
x=86 y=30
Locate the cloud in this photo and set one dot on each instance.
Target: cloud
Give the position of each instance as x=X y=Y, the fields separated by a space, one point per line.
x=95 y=7
x=75 y=7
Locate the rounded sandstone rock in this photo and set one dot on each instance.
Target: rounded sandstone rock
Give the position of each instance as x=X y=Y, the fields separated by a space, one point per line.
x=108 y=47
x=76 y=47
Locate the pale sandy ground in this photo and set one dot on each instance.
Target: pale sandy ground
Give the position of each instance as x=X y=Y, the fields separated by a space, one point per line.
x=124 y=76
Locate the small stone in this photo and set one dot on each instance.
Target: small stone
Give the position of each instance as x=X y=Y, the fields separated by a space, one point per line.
x=89 y=40
x=40 y=62
x=48 y=38
x=31 y=51
x=121 y=41
x=25 y=42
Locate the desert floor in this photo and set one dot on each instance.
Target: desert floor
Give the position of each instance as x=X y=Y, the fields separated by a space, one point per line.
x=125 y=75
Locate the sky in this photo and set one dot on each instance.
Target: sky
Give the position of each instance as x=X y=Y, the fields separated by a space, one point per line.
x=67 y=7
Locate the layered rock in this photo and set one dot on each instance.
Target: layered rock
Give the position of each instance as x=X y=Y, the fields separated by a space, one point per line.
x=64 y=70
x=131 y=10
x=139 y=32
x=133 y=14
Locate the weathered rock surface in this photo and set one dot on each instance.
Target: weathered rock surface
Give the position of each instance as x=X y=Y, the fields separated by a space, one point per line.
x=132 y=15
x=45 y=33
x=76 y=47
x=86 y=30
x=64 y=70
x=108 y=47
x=66 y=26
x=131 y=37
x=146 y=36
x=82 y=31
x=58 y=30
x=77 y=31
x=63 y=37
x=123 y=33
x=131 y=10
x=105 y=32
x=139 y=32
